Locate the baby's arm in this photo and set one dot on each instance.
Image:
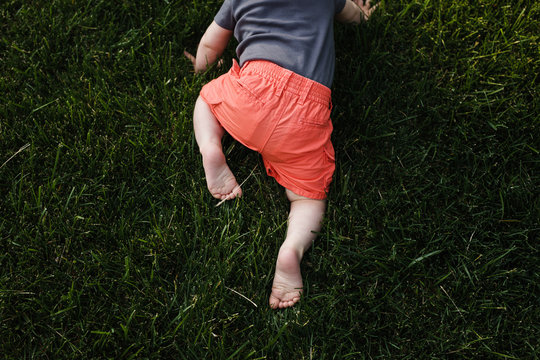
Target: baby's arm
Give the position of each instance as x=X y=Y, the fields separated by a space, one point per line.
x=356 y=11
x=212 y=45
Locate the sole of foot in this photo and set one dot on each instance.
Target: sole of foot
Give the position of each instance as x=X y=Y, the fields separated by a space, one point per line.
x=287 y=286
x=219 y=178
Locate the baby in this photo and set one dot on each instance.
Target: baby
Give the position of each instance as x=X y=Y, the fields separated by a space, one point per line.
x=276 y=101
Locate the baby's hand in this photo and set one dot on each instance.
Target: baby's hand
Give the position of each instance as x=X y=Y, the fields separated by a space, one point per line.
x=366 y=8
x=193 y=60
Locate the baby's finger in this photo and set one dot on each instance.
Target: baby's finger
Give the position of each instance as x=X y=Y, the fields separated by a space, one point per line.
x=369 y=9
x=190 y=57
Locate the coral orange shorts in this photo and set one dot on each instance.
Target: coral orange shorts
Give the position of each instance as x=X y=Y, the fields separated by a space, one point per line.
x=283 y=116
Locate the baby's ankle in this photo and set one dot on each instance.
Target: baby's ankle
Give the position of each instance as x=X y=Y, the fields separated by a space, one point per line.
x=212 y=152
x=289 y=249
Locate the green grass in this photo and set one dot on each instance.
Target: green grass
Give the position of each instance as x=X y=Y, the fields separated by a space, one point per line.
x=110 y=244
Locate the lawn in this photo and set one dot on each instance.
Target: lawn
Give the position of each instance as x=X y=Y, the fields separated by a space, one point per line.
x=111 y=246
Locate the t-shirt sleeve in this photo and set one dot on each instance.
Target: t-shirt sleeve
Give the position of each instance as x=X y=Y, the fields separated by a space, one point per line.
x=340 y=4
x=224 y=16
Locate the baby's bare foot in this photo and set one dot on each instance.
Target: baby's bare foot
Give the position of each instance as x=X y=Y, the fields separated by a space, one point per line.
x=220 y=180
x=287 y=286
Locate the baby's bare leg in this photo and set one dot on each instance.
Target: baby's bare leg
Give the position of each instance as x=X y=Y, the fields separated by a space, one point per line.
x=208 y=133
x=304 y=219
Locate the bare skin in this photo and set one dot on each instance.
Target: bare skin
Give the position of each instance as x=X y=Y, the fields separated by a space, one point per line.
x=304 y=222
x=208 y=132
x=356 y=11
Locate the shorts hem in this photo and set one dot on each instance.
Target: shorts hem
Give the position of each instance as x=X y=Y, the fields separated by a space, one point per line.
x=304 y=193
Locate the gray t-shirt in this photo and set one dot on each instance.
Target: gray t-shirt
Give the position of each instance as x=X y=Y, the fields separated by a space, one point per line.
x=295 y=34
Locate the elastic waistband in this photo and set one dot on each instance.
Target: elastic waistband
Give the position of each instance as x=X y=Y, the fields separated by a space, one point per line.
x=286 y=80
